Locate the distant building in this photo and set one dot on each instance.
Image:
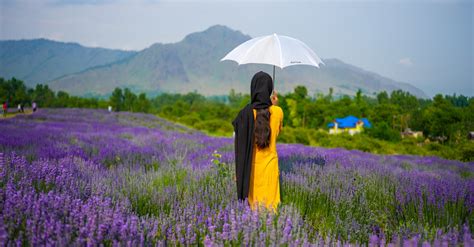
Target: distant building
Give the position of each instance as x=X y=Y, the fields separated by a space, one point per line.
x=409 y=133
x=470 y=135
x=349 y=124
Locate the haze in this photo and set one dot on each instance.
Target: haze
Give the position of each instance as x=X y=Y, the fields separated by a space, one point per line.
x=426 y=43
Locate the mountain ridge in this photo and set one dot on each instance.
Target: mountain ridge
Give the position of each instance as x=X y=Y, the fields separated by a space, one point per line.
x=193 y=64
x=41 y=60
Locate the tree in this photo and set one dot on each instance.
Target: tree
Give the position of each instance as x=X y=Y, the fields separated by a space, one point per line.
x=301 y=92
x=19 y=93
x=14 y=91
x=117 y=99
x=441 y=118
x=235 y=98
x=142 y=104
x=383 y=131
x=193 y=98
x=358 y=98
x=62 y=99
x=385 y=113
x=330 y=95
x=404 y=100
x=294 y=117
x=458 y=100
x=129 y=100
x=382 y=97
x=43 y=96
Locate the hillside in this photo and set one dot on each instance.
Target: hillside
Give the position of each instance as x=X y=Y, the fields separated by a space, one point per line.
x=194 y=64
x=40 y=60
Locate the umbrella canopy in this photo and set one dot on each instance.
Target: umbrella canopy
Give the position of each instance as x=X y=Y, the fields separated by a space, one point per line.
x=277 y=50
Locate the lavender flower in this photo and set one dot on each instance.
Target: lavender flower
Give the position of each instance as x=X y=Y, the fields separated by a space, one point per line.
x=82 y=177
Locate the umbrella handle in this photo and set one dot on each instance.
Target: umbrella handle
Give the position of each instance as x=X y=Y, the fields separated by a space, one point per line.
x=273 y=76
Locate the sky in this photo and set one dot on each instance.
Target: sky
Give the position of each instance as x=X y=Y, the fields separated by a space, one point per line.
x=428 y=44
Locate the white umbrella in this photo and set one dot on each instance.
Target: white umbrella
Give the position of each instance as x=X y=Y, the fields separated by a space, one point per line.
x=277 y=50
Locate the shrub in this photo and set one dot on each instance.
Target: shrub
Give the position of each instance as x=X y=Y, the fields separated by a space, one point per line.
x=467 y=152
x=191 y=119
x=217 y=126
x=384 y=132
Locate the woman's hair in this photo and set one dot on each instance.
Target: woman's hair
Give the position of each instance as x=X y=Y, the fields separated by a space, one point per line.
x=260 y=90
x=262 y=128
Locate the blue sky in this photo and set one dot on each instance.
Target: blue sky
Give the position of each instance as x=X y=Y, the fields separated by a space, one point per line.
x=426 y=43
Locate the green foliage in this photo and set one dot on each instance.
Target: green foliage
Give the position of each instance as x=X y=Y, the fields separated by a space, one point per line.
x=382 y=98
x=15 y=92
x=445 y=120
x=126 y=100
x=43 y=95
x=237 y=99
x=210 y=115
x=142 y=104
x=383 y=131
x=216 y=126
x=129 y=100
x=441 y=118
x=467 y=151
x=41 y=186
x=374 y=200
x=223 y=169
x=300 y=92
x=116 y=99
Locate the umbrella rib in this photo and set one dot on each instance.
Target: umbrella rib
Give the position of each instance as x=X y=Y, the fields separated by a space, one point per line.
x=279 y=47
x=313 y=55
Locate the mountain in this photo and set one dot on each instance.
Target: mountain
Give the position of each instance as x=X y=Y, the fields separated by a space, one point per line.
x=194 y=64
x=40 y=60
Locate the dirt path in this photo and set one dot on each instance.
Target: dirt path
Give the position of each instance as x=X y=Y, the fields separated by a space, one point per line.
x=11 y=114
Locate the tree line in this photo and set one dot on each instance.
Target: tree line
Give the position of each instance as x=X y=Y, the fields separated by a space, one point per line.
x=443 y=120
x=15 y=92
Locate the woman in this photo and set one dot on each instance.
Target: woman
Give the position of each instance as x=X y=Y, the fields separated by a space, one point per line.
x=5 y=109
x=256 y=129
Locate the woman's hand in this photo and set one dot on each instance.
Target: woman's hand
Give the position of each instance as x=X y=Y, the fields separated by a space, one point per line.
x=274 y=98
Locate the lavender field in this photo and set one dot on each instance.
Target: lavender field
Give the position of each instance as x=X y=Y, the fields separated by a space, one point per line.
x=89 y=177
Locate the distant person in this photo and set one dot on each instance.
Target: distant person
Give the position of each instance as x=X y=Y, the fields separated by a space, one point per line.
x=19 y=108
x=22 y=107
x=110 y=108
x=5 y=109
x=34 y=106
x=256 y=129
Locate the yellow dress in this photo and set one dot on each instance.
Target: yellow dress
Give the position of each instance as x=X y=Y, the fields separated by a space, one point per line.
x=264 y=178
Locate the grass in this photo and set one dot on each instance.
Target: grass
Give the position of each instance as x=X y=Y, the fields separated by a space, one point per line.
x=321 y=138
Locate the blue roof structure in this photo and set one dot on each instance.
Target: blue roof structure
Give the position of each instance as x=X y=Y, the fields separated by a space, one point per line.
x=367 y=124
x=350 y=122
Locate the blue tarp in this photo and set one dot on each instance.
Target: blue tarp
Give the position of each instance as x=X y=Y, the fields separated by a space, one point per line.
x=350 y=122
x=367 y=124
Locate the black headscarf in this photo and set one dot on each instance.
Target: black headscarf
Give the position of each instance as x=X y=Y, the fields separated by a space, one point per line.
x=260 y=90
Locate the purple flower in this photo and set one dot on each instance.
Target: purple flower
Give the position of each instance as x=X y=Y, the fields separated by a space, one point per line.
x=82 y=177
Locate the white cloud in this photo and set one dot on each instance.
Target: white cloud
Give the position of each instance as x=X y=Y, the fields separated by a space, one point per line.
x=406 y=61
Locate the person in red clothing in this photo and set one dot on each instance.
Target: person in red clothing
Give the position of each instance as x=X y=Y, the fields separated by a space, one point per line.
x=5 y=109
